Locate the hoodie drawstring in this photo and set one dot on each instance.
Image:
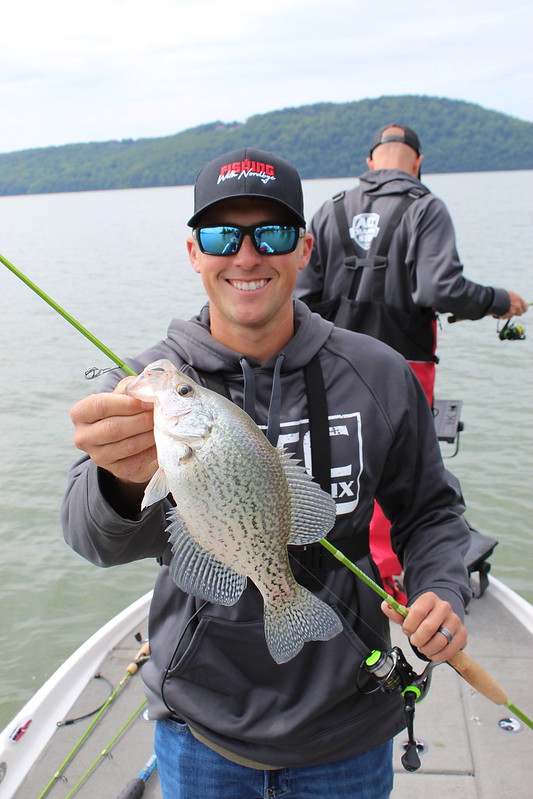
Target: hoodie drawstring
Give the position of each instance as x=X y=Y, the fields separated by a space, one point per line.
x=249 y=387
x=274 y=410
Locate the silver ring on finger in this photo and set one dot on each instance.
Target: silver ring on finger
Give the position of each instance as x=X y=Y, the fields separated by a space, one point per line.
x=446 y=633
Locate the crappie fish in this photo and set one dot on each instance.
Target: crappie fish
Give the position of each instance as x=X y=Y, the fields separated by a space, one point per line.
x=240 y=502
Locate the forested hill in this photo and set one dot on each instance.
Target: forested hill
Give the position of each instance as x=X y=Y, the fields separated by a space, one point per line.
x=321 y=140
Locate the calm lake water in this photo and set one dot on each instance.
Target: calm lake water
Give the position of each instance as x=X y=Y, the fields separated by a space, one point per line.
x=117 y=262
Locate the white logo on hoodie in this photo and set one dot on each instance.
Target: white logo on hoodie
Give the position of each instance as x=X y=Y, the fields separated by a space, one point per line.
x=346 y=443
x=364 y=229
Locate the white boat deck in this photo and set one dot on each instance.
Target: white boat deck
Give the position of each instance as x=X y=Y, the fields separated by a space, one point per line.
x=467 y=754
x=126 y=757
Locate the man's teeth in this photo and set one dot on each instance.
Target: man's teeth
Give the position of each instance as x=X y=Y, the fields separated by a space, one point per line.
x=248 y=285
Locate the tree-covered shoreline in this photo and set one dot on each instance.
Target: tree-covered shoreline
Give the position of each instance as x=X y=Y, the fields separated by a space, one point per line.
x=322 y=140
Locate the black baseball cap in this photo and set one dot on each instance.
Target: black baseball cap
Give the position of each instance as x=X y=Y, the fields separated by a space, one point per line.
x=408 y=137
x=248 y=172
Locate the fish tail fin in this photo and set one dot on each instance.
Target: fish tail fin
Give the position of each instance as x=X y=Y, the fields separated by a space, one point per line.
x=300 y=617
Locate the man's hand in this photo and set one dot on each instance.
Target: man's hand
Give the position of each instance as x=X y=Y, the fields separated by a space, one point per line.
x=426 y=615
x=116 y=431
x=517 y=306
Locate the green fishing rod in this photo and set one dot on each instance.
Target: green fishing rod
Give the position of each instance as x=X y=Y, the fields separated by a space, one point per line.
x=105 y=751
x=469 y=670
x=74 y=322
x=137 y=661
x=464 y=665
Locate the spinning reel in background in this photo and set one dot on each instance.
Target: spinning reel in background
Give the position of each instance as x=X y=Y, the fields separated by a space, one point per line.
x=511 y=331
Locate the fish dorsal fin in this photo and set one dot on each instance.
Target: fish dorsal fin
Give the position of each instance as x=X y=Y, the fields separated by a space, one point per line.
x=156 y=489
x=313 y=512
x=196 y=571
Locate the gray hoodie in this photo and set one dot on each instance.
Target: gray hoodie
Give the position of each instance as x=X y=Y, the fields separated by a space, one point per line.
x=210 y=666
x=423 y=270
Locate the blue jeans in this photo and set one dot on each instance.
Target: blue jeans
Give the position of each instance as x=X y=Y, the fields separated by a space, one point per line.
x=190 y=770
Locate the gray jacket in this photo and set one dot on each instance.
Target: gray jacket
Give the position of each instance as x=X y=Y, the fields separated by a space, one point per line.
x=423 y=270
x=213 y=669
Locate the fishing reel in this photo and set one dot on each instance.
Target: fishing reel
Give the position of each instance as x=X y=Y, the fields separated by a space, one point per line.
x=511 y=331
x=391 y=673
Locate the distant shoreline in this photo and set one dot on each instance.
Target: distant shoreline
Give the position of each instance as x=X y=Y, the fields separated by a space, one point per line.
x=324 y=140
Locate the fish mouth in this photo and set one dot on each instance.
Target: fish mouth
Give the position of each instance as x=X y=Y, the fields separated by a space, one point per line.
x=248 y=285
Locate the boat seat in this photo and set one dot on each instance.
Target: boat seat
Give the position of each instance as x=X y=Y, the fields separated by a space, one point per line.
x=476 y=559
x=446 y=414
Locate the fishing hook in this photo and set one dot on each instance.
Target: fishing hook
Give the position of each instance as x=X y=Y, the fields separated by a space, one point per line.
x=93 y=371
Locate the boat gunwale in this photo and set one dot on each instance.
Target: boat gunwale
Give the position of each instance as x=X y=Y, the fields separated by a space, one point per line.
x=520 y=608
x=57 y=695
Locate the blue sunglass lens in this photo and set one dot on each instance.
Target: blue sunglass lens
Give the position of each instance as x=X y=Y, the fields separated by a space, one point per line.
x=275 y=238
x=219 y=240
x=267 y=239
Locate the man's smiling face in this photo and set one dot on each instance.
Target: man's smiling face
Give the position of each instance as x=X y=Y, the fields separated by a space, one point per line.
x=249 y=290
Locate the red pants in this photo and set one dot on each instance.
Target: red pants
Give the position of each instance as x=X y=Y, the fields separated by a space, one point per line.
x=380 y=546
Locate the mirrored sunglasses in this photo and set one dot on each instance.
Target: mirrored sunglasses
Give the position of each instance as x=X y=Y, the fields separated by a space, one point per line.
x=267 y=239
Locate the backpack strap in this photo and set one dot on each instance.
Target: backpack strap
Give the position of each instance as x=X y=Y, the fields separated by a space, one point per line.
x=314 y=557
x=378 y=259
x=318 y=423
x=342 y=225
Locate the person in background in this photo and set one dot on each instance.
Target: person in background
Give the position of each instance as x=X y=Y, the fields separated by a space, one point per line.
x=385 y=262
x=230 y=722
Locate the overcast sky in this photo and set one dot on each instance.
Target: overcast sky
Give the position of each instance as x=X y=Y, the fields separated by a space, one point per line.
x=119 y=69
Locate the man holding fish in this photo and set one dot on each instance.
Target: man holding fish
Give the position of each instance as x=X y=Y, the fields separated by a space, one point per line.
x=203 y=462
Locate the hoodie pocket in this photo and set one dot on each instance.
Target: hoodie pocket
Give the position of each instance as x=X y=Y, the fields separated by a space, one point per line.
x=227 y=681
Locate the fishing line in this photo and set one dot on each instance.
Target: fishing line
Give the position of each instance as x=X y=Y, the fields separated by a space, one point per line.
x=340 y=602
x=74 y=322
x=393 y=603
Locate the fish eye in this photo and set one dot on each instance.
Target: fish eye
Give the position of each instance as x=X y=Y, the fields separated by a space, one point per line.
x=184 y=390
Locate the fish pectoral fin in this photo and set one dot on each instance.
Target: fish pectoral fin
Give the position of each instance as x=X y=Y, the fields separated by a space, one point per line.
x=156 y=489
x=197 y=571
x=313 y=511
